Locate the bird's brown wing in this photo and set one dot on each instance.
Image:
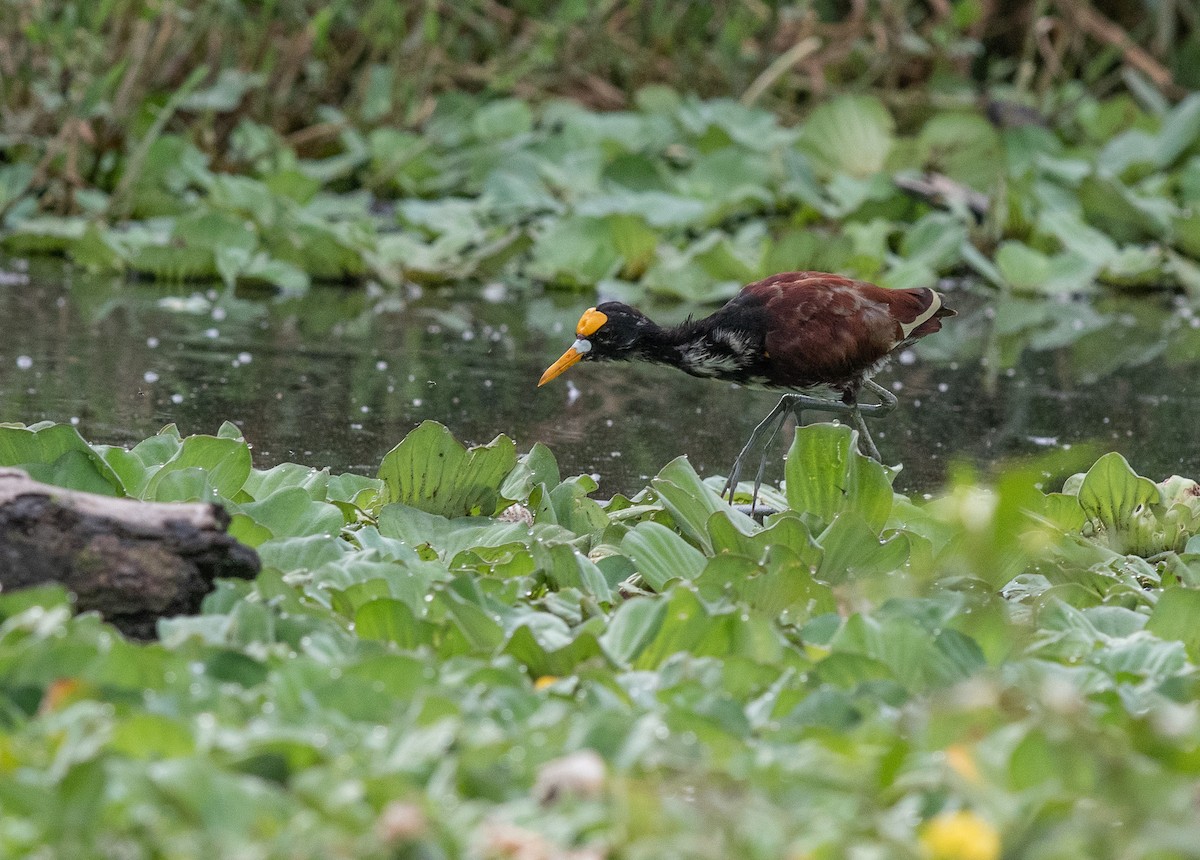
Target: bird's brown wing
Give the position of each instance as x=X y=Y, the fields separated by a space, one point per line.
x=823 y=329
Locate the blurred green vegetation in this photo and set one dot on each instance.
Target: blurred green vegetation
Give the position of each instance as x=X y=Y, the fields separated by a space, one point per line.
x=282 y=142
x=481 y=661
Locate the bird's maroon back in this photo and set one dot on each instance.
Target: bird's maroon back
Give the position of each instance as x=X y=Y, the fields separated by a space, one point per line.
x=825 y=329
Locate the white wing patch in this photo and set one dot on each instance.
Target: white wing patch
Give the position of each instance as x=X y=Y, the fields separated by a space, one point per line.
x=697 y=359
x=721 y=352
x=924 y=316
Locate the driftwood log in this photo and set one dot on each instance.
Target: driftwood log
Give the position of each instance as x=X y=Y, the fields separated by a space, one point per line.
x=133 y=562
x=941 y=190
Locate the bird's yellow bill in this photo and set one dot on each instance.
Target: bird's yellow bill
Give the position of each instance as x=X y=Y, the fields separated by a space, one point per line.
x=571 y=357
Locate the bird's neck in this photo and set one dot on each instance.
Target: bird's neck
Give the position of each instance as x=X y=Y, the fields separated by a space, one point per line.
x=705 y=347
x=662 y=344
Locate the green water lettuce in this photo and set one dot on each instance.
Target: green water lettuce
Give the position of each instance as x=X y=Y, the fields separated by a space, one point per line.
x=430 y=656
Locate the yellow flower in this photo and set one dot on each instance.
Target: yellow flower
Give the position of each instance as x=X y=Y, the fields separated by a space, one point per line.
x=960 y=835
x=544 y=681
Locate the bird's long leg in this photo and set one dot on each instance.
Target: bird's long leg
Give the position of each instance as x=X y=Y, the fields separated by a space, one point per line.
x=796 y=403
x=800 y=402
x=864 y=436
x=887 y=400
x=762 y=463
x=775 y=418
x=854 y=410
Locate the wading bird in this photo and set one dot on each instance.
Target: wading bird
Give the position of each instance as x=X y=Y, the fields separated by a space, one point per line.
x=797 y=331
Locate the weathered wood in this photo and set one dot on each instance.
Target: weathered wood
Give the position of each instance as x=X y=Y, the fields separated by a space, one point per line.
x=133 y=562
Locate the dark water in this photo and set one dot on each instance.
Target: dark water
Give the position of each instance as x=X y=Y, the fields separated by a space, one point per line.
x=337 y=377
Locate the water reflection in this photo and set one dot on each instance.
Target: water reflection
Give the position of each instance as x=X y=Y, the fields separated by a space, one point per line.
x=337 y=377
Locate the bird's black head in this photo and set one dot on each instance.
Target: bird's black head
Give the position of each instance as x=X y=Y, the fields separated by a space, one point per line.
x=608 y=331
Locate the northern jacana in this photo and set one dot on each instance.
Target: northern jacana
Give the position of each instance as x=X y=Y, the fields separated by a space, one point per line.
x=796 y=331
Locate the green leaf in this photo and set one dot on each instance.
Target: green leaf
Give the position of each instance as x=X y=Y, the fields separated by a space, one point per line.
x=291 y=512
x=691 y=502
x=787 y=531
x=57 y=454
x=660 y=555
x=14 y=181
x=964 y=146
x=502 y=119
x=300 y=553
x=390 y=620
x=1028 y=270
x=546 y=646
x=225 y=463
x=1175 y=618
x=261 y=484
x=850 y=134
x=852 y=548
x=152 y=736
x=632 y=627
x=1122 y=214
x=44 y=597
x=1117 y=501
x=1179 y=132
x=566 y=567
x=575 y=252
x=431 y=471
x=783 y=581
x=685 y=625
x=827 y=475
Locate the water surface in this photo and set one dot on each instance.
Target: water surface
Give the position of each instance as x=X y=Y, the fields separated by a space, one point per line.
x=337 y=377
